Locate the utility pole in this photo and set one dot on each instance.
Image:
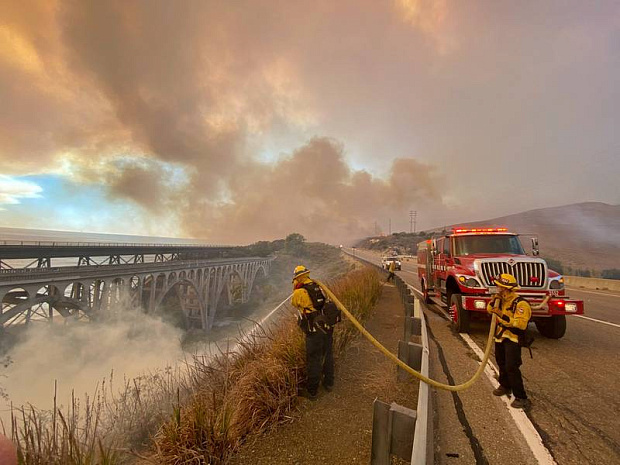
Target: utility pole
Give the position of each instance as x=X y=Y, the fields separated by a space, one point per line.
x=390 y=226
x=413 y=214
x=376 y=230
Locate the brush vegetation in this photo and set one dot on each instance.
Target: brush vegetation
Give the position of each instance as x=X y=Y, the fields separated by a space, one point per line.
x=198 y=413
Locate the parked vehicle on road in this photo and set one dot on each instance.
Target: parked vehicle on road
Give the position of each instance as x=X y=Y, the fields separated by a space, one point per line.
x=385 y=262
x=457 y=270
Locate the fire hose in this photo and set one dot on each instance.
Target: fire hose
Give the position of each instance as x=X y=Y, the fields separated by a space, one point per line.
x=403 y=365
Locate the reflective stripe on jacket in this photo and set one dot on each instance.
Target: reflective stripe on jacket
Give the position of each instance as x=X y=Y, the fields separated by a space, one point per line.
x=519 y=319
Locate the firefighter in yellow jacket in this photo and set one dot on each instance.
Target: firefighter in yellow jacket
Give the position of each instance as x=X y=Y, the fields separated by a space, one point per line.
x=513 y=314
x=391 y=270
x=309 y=299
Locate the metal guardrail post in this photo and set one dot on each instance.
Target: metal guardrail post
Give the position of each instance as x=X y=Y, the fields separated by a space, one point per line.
x=411 y=354
x=413 y=327
x=392 y=428
x=408 y=303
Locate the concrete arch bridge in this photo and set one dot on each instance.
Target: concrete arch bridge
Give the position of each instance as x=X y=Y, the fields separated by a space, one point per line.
x=193 y=289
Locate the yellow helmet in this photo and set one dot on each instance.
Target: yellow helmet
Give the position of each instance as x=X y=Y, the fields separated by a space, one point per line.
x=300 y=270
x=507 y=281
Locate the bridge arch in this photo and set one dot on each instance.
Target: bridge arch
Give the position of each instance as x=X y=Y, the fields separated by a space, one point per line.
x=21 y=305
x=191 y=304
x=134 y=289
x=14 y=303
x=235 y=287
x=258 y=275
x=75 y=290
x=56 y=290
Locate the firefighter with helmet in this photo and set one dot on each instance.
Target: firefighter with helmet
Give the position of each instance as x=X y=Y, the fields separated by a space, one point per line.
x=513 y=314
x=309 y=300
x=391 y=270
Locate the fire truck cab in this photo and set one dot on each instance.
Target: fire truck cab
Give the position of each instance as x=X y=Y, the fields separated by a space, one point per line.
x=456 y=270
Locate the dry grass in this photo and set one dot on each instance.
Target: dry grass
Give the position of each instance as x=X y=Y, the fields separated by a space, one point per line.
x=198 y=414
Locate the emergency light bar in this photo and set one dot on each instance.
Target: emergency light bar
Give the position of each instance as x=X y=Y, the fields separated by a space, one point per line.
x=479 y=230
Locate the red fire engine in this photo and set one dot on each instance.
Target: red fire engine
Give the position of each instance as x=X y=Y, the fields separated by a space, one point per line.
x=457 y=270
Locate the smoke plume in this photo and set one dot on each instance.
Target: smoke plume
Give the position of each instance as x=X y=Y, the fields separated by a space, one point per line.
x=80 y=357
x=273 y=116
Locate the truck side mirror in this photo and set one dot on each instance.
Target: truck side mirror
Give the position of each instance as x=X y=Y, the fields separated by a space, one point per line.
x=535 y=250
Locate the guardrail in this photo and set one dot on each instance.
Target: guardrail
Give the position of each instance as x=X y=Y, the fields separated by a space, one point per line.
x=104 y=244
x=592 y=283
x=398 y=420
x=422 y=452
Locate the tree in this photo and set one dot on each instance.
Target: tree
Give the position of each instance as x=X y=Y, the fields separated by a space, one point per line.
x=555 y=265
x=612 y=273
x=295 y=244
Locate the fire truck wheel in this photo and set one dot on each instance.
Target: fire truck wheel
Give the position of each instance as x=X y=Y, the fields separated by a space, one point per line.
x=553 y=327
x=460 y=316
x=425 y=296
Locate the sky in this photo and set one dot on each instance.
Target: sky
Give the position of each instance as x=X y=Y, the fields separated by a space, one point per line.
x=242 y=121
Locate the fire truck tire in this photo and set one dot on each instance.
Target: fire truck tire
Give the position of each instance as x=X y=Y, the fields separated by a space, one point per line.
x=460 y=316
x=553 y=327
x=425 y=297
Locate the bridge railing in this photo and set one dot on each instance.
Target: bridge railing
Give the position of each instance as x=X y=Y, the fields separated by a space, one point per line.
x=104 y=244
x=16 y=274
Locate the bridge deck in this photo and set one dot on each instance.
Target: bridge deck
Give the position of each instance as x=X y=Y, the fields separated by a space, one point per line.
x=32 y=250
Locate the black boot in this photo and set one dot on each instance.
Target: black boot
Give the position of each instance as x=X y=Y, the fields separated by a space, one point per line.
x=520 y=403
x=502 y=391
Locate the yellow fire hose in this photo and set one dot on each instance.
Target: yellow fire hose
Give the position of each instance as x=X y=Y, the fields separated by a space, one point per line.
x=403 y=365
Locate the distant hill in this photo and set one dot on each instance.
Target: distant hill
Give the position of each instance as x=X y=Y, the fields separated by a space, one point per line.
x=400 y=243
x=583 y=236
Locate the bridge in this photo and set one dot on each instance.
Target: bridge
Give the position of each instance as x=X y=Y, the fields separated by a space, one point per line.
x=48 y=280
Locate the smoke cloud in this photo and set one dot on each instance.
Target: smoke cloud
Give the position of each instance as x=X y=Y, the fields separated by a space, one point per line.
x=81 y=356
x=316 y=192
x=269 y=117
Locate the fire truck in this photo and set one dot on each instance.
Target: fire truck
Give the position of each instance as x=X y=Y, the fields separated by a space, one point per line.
x=456 y=270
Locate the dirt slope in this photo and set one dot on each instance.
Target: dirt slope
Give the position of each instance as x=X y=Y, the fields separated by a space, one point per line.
x=337 y=428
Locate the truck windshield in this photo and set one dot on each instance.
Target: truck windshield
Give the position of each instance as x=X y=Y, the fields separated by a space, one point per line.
x=467 y=245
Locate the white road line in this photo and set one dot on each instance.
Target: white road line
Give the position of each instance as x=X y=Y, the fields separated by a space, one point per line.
x=414 y=288
x=578 y=289
x=533 y=439
x=597 y=321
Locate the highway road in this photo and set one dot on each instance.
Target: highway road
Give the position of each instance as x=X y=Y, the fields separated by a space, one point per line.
x=573 y=384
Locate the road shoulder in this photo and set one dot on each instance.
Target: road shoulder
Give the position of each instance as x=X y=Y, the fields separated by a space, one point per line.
x=337 y=428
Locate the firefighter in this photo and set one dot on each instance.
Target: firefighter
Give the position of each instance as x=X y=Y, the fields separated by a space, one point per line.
x=309 y=300
x=391 y=270
x=513 y=314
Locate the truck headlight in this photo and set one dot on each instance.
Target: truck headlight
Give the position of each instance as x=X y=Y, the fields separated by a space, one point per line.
x=472 y=282
x=469 y=282
x=557 y=284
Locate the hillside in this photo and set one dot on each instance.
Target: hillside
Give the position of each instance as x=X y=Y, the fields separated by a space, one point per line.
x=580 y=236
x=583 y=235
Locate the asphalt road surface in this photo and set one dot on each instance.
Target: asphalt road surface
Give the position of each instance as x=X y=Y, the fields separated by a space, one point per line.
x=573 y=384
